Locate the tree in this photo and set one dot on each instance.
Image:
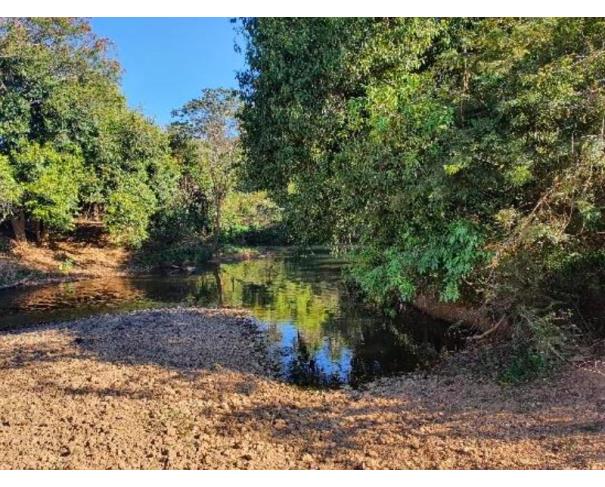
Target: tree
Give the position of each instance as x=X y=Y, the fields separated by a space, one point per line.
x=210 y=125
x=441 y=152
x=44 y=65
x=49 y=183
x=457 y=159
x=134 y=176
x=68 y=142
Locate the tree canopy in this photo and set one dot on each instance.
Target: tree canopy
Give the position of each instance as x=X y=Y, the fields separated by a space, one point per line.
x=437 y=150
x=453 y=159
x=209 y=126
x=68 y=142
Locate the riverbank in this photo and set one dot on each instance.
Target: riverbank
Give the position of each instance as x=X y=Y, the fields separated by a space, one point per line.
x=193 y=388
x=28 y=264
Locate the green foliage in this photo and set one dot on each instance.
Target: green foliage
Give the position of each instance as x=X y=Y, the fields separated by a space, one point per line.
x=206 y=132
x=69 y=145
x=450 y=257
x=251 y=218
x=72 y=143
x=430 y=147
x=10 y=191
x=128 y=212
x=49 y=182
x=48 y=69
x=537 y=345
x=368 y=128
x=184 y=218
x=578 y=281
x=141 y=179
x=458 y=157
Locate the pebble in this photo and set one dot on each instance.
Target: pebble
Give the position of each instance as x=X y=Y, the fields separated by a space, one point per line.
x=171 y=394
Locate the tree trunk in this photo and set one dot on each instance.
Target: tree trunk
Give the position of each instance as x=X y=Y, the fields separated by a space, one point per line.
x=217 y=225
x=37 y=227
x=40 y=231
x=18 y=223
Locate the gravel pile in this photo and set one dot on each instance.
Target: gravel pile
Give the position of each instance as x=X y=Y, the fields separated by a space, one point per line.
x=191 y=388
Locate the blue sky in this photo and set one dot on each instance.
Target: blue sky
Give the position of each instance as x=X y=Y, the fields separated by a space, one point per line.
x=167 y=61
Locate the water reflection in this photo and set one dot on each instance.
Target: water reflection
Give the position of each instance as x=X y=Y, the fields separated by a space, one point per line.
x=318 y=333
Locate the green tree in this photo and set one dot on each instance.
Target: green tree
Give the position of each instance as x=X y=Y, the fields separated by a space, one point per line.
x=71 y=143
x=461 y=157
x=45 y=64
x=209 y=127
x=135 y=177
x=49 y=182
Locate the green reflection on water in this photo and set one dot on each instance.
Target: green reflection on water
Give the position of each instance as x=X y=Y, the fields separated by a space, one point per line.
x=320 y=334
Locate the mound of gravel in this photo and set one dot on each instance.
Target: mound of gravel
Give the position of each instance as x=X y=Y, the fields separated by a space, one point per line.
x=192 y=388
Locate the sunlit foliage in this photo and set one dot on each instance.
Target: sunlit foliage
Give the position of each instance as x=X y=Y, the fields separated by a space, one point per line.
x=71 y=143
x=433 y=148
x=461 y=158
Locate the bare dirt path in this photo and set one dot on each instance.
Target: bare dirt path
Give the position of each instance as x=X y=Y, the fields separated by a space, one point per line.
x=190 y=388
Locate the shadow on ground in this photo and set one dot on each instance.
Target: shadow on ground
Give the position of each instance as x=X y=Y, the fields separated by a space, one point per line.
x=196 y=381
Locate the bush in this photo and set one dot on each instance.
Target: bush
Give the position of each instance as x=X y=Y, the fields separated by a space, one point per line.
x=185 y=218
x=129 y=211
x=538 y=344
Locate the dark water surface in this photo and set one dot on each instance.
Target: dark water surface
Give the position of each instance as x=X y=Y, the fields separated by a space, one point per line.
x=319 y=333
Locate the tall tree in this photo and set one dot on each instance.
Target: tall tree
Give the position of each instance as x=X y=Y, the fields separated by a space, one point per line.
x=46 y=65
x=68 y=141
x=210 y=124
x=438 y=150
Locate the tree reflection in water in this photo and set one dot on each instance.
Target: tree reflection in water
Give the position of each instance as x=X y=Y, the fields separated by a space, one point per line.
x=320 y=335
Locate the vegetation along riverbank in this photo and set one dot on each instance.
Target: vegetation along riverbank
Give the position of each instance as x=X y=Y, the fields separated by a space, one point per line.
x=457 y=160
x=452 y=165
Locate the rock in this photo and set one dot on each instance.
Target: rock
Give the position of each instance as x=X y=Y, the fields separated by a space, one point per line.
x=307 y=458
x=414 y=443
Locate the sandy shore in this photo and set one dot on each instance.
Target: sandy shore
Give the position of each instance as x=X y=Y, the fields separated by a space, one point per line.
x=190 y=388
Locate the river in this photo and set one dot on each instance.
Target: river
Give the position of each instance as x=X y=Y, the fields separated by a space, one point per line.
x=318 y=333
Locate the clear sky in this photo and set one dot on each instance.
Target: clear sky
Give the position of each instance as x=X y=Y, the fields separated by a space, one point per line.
x=167 y=61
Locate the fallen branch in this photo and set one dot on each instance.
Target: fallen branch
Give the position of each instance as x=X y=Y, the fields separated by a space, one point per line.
x=488 y=332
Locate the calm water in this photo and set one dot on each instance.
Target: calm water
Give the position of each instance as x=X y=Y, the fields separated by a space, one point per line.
x=320 y=335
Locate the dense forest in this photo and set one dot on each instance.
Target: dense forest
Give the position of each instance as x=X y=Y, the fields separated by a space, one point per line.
x=70 y=148
x=456 y=159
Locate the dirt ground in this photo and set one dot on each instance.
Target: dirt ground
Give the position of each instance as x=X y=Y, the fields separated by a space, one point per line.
x=28 y=263
x=189 y=388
